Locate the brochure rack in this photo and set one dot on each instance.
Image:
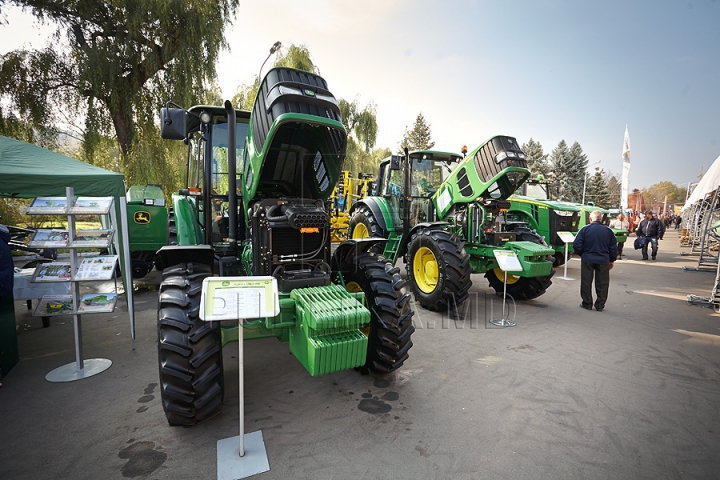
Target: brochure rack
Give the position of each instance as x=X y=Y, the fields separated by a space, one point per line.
x=77 y=270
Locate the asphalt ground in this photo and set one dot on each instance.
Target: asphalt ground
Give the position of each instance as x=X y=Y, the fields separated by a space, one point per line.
x=627 y=393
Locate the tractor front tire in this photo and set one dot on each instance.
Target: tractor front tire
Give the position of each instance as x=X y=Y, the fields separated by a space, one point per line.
x=390 y=329
x=438 y=268
x=189 y=350
x=521 y=288
x=363 y=224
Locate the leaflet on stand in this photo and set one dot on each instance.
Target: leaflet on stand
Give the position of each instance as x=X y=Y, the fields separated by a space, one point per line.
x=96 y=268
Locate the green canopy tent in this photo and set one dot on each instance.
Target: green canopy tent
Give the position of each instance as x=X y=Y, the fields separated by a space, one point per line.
x=29 y=171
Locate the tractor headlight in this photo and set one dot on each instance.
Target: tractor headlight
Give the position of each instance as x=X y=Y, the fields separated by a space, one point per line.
x=500 y=157
x=564 y=213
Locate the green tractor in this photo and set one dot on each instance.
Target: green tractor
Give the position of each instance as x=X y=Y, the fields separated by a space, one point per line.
x=535 y=209
x=444 y=214
x=256 y=204
x=147 y=227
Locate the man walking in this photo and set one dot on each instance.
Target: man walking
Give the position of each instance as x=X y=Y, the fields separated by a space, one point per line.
x=597 y=246
x=652 y=229
x=620 y=223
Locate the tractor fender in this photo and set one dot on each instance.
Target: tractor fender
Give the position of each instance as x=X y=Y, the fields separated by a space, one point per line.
x=171 y=255
x=186 y=224
x=352 y=248
x=373 y=203
x=402 y=248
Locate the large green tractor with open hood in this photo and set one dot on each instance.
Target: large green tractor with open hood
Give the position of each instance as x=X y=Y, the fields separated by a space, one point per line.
x=444 y=214
x=256 y=204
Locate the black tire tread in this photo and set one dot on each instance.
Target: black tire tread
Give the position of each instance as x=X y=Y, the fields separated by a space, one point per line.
x=391 y=326
x=189 y=350
x=454 y=266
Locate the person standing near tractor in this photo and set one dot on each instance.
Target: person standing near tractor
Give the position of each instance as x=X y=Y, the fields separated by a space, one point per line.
x=597 y=246
x=620 y=223
x=653 y=230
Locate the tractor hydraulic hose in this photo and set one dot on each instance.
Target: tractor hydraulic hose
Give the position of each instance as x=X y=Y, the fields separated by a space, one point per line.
x=232 y=181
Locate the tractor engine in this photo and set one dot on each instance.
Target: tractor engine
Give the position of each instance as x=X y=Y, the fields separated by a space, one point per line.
x=291 y=242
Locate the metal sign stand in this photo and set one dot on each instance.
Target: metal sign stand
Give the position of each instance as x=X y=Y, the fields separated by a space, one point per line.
x=567 y=238
x=507 y=261
x=241 y=298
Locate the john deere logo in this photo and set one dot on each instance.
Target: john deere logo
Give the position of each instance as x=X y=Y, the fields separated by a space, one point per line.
x=225 y=283
x=309 y=93
x=142 y=217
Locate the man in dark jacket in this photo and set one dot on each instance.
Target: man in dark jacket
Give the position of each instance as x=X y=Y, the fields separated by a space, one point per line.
x=652 y=229
x=7 y=268
x=597 y=246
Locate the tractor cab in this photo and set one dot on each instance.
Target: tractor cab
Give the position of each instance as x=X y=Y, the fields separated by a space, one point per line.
x=205 y=130
x=428 y=171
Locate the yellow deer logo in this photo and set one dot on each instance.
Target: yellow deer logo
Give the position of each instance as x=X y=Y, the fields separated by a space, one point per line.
x=142 y=217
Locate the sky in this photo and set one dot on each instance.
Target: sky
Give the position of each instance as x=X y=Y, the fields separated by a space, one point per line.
x=551 y=70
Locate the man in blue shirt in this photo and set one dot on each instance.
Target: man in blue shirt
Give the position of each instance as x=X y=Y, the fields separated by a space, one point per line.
x=597 y=246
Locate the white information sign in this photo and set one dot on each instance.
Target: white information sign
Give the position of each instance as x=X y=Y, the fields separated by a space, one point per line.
x=507 y=261
x=566 y=237
x=234 y=298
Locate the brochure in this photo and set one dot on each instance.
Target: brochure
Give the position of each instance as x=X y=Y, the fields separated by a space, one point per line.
x=54 y=305
x=49 y=238
x=97 y=302
x=92 y=238
x=47 y=205
x=53 y=272
x=96 y=268
x=91 y=206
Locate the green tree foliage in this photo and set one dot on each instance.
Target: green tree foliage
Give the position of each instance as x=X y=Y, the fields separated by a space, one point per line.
x=297 y=57
x=597 y=191
x=361 y=125
x=656 y=193
x=537 y=160
x=614 y=188
x=569 y=165
x=419 y=138
x=559 y=159
x=113 y=63
x=576 y=170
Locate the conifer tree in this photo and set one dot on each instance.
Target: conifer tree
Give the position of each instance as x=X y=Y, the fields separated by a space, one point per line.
x=419 y=138
x=537 y=160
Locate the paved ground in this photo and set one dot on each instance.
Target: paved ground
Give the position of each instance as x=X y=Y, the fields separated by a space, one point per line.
x=631 y=392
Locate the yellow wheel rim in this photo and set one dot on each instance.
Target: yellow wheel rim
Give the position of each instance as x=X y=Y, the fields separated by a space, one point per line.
x=425 y=270
x=360 y=231
x=354 y=287
x=511 y=278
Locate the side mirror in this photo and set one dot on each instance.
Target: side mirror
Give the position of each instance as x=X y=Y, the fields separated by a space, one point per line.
x=172 y=123
x=395 y=162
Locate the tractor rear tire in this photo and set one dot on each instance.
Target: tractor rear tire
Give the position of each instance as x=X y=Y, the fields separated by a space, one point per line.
x=363 y=224
x=390 y=330
x=438 y=268
x=559 y=259
x=521 y=288
x=189 y=350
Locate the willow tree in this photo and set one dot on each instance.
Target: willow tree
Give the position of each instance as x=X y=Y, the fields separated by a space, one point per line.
x=111 y=64
x=295 y=56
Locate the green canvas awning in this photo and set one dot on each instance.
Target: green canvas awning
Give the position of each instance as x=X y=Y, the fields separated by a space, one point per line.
x=29 y=171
